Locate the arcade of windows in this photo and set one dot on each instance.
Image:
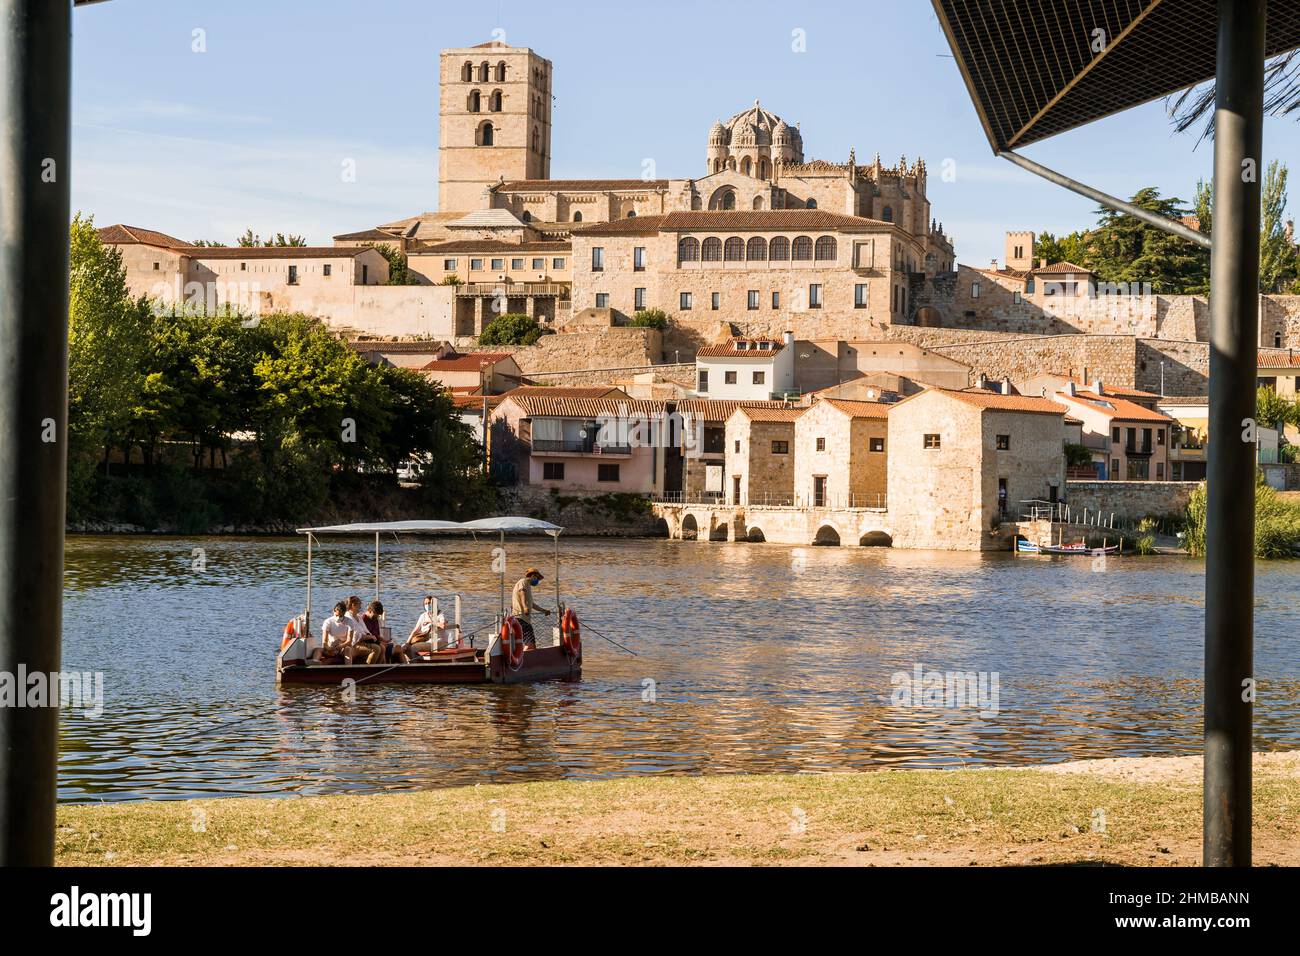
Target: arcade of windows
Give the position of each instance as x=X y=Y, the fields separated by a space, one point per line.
x=757 y=249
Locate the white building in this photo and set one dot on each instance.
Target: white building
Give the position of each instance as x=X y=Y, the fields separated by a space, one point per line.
x=750 y=369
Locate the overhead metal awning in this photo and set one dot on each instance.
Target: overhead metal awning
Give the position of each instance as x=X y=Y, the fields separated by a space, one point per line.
x=1036 y=69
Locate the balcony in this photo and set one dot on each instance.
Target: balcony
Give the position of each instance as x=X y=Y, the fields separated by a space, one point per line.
x=515 y=290
x=578 y=446
x=1137 y=451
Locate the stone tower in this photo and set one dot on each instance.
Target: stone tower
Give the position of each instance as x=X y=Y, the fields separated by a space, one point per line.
x=494 y=121
x=1019 y=251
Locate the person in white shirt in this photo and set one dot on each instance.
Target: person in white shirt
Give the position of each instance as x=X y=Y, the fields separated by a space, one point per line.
x=336 y=637
x=366 y=648
x=423 y=638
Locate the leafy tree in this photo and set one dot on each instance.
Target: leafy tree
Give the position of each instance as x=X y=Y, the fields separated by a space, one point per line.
x=650 y=319
x=512 y=328
x=208 y=244
x=249 y=238
x=1274 y=411
x=1065 y=249
x=1279 y=258
x=399 y=271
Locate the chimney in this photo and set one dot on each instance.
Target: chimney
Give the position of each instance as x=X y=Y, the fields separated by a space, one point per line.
x=1006 y=385
x=1069 y=387
x=788 y=337
x=1042 y=263
x=1098 y=387
x=982 y=381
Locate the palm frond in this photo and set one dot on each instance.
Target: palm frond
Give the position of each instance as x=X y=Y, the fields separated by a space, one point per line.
x=1195 y=105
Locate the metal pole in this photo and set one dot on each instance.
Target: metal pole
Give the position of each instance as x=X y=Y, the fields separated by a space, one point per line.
x=376 y=565
x=1230 y=521
x=35 y=58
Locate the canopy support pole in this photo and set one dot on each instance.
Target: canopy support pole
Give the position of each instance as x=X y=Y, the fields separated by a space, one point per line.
x=503 y=574
x=1230 y=519
x=376 y=565
x=35 y=80
x=1111 y=202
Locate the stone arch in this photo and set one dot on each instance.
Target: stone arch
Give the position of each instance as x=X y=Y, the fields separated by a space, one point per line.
x=929 y=317
x=486 y=135
x=747 y=166
x=474 y=102
x=690 y=528
x=723 y=198
x=718 y=530
x=827 y=536
x=876 y=539
x=755 y=535
x=496 y=101
x=660 y=529
x=758 y=202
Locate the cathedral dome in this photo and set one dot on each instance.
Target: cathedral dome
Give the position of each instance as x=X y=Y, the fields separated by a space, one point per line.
x=760 y=124
x=718 y=134
x=781 y=135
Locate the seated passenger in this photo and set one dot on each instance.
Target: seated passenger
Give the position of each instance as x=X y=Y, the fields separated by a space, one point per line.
x=366 y=646
x=336 y=638
x=374 y=621
x=420 y=642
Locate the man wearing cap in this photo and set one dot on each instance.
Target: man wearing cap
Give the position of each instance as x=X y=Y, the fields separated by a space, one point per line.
x=522 y=606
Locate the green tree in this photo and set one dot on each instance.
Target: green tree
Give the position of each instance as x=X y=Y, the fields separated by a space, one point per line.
x=512 y=328
x=399 y=270
x=650 y=319
x=1274 y=411
x=249 y=238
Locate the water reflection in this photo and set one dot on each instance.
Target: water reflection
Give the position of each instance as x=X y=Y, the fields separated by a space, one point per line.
x=763 y=658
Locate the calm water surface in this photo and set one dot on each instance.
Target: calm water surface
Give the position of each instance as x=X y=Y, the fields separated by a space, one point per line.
x=762 y=657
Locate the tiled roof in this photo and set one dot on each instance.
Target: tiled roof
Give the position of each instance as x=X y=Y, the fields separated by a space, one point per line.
x=567 y=391
x=368 y=235
x=1120 y=408
x=488 y=219
x=720 y=409
x=475 y=401
x=1185 y=400
x=280 y=252
x=1062 y=268
x=465 y=363
x=786 y=414
x=120 y=235
x=859 y=409
x=397 y=348
x=995 y=401
x=632 y=226
x=808 y=219
x=497 y=245
x=731 y=349
x=548 y=406
x=1278 y=358
x=580 y=185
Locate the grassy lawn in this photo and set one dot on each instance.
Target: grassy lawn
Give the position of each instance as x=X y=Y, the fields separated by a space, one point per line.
x=1129 y=814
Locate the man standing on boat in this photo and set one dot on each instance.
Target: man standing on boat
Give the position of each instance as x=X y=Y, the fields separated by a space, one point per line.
x=522 y=606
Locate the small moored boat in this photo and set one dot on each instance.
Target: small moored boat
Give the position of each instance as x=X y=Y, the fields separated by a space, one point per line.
x=502 y=660
x=1025 y=546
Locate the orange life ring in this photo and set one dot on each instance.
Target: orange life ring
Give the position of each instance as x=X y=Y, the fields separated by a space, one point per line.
x=290 y=633
x=571 y=633
x=512 y=637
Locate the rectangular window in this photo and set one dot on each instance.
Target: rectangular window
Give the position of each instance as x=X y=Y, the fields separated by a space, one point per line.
x=156 y=267
x=243 y=267
x=597 y=259
x=1160 y=471
x=326 y=268
x=498 y=265
x=365 y=275
x=516 y=263
x=821 y=444
x=1137 y=469
x=1115 y=435
x=476 y=265
x=737 y=446
x=776 y=300
x=1160 y=437
x=760 y=378
x=753 y=299
x=860 y=296
x=877 y=444
x=1114 y=469
x=704 y=381
x=685 y=302
x=780 y=448
x=638 y=259
x=1015 y=298
x=974 y=290
x=815 y=296
x=557 y=263
x=602 y=300
x=716 y=301
x=819 y=491
x=539 y=265
x=1004 y=442
x=932 y=441
x=553 y=471
x=448 y=265
x=293 y=275
x=606 y=472
x=729 y=378
x=638 y=299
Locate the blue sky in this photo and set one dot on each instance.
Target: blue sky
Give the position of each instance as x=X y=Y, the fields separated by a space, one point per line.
x=255 y=130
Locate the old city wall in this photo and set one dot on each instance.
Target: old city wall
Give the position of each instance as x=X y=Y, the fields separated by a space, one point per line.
x=1131 y=500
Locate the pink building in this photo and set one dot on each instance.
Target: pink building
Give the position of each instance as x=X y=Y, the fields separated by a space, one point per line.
x=1128 y=441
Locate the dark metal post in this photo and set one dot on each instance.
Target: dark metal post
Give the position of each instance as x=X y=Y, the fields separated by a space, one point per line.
x=35 y=59
x=1230 y=523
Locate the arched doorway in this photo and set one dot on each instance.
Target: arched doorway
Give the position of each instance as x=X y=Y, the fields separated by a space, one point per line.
x=756 y=535
x=876 y=539
x=827 y=537
x=690 y=528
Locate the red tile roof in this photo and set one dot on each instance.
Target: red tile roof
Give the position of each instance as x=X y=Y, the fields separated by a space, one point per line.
x=569 y=391
x=994 y=401
x=720 y=409
x=804 y=220
x=1120 y=409
x=1278 y=358
x=497 y=245
x=279 y=252
x=856 y=409
x=1062 y=268
x=580 y=185
x=120 y=235
x=466 y=363
x=377 y=235
x=548 y=406
x=731 y=349
x=782 y=414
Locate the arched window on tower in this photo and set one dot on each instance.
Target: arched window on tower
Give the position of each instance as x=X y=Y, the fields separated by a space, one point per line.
x=728 y=200
x=758 y=202
x=712 y=249
x=688 y=250
x=495 y=101
x=631 y=214
x=812 y=204
x=486 y=135
x=577 y=217
x=802 y=250
x=527 y=216
x=756 y=249
x=735 y=249
x=888 y=214
x=747 y=166
x=778 y=249
x=484 y=72
x=501 y=72
x=764 y=170
x=467 y=72
x=537 y=140
x=475 y=103
x=827 y=249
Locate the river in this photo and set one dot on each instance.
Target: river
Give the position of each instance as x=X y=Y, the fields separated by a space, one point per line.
x=749 y=658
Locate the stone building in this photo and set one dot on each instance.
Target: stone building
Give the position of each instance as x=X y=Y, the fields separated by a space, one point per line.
x=841 y=454
x=1128 y=441
x=959 y=461
x=760 y=456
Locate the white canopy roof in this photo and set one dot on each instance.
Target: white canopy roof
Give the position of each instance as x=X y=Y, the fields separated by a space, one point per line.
x=509 y=525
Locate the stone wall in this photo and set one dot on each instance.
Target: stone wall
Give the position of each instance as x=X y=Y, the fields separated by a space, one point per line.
x=610 y=349
x=1132 y=500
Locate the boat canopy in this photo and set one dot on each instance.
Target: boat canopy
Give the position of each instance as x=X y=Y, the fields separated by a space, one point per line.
x=505 y=524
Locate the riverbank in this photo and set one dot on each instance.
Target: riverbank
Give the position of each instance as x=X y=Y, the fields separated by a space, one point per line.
x=1143 y=811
